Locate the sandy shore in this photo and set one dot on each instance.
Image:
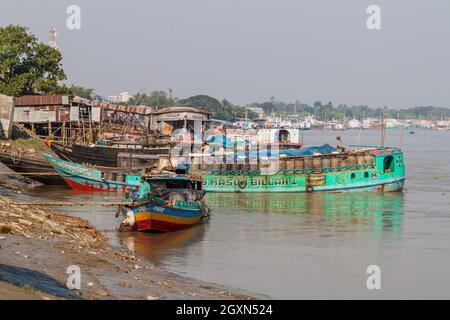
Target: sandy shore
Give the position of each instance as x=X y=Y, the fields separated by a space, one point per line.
x=38 y=244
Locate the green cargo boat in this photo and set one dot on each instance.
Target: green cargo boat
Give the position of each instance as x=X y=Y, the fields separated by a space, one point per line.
x=363 y=168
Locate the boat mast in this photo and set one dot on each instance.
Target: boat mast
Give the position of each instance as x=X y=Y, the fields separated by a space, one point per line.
x=383 y=130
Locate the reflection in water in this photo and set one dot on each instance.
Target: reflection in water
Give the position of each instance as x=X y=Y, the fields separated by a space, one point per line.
x=332 y=211
x=309 y=245
x=157 y=246
x=277 y=244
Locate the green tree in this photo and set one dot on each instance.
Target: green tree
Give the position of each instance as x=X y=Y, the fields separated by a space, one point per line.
x=223 y=110
x=27 y=66
x=157 y=99
x=86 y=93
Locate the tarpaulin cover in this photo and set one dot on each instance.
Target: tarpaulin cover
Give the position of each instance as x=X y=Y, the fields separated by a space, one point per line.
x=304 y=151
x=293 y=152
x=220 y=140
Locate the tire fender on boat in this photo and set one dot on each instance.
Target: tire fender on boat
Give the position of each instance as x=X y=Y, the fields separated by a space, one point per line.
x=242 y=184
x=309 y=189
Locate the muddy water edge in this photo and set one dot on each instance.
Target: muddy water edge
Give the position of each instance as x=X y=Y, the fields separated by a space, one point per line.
x=38 y=244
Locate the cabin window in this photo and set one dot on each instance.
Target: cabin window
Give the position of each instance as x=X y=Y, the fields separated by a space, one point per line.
x=366 y=174
x=283 y=136
x=177 y=184
x=388 y=164
x=353 y=176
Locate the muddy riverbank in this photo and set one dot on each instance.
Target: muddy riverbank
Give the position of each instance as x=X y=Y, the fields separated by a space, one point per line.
x=38 y=244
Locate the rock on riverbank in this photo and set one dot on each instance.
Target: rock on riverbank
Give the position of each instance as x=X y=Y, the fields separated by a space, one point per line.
x=38 y=245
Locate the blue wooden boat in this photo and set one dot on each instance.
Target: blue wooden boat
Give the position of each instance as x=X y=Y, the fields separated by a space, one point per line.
x=176 y=202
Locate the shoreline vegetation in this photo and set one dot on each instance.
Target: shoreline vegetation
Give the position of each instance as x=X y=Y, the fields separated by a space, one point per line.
x=38 y=244
x=32 y=67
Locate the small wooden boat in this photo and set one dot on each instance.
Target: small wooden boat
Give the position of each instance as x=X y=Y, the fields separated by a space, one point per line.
x=95 y=179
x=32 y=167
x=176 y=203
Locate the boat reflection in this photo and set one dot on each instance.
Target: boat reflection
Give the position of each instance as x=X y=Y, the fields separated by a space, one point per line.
x=156 y=246
x=380 y=213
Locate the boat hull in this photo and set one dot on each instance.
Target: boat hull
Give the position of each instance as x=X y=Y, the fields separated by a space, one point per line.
x=152 y=217
x=35 y=169
x=82 y=178
x=297 y=183
x=109 y=156
x=383 y=172
x=87 y=185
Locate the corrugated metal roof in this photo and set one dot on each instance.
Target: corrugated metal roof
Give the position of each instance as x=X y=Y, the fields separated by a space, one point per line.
x=37 y=100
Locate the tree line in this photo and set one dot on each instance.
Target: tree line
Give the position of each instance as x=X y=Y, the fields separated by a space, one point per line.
x=328 y=111
x=28 y=66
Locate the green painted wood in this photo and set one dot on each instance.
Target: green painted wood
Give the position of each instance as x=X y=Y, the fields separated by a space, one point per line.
x=375 y=177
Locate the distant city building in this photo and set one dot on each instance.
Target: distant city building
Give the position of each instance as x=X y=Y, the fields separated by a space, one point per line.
x=369 y=123
x=113 y=99
x=53 y=35
x=122 y=97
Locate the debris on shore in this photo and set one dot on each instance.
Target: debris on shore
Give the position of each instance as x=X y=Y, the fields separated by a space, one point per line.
x=38 y=245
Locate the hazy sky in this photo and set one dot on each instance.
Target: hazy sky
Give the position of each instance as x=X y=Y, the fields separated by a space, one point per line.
x=250 y=50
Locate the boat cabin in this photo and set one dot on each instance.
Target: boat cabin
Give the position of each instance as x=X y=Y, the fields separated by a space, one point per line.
x=176 y=188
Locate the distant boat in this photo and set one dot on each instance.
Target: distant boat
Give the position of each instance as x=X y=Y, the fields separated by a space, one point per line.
x=410 y=128
x=305 y=126
x=338 y=127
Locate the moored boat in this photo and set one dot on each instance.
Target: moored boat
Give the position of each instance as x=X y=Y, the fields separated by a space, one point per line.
x=84 y=178
x=379 y=169
x=114 y=156
x=31 y=167
x=175 y=203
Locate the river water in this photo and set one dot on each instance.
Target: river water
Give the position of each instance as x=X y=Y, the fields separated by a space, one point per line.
x=301 y=246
